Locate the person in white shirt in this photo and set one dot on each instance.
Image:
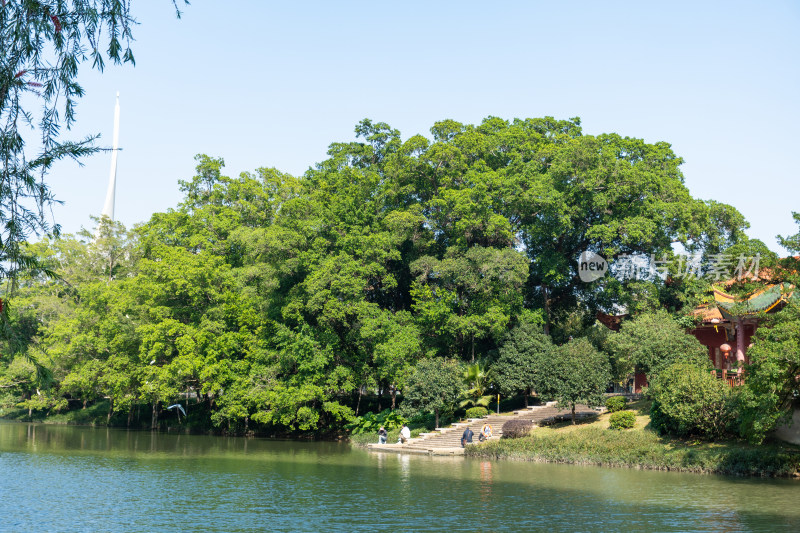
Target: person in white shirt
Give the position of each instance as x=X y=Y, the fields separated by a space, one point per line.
x=405 y=434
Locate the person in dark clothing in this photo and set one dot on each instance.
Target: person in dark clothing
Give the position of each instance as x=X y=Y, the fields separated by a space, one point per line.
x=466 y=438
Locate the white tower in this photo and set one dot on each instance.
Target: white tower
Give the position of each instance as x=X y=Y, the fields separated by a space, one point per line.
x=108 y=208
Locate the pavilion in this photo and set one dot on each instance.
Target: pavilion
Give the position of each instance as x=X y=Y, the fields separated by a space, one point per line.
x=727 y=325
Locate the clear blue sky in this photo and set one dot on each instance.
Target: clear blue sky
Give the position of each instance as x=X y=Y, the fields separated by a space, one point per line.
x=272 y=84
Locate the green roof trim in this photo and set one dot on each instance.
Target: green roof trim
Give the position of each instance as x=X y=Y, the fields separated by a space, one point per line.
x=762 y=301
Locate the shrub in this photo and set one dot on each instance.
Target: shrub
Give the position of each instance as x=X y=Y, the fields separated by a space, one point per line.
x=514 y=429
x=622 y=419
x=476 y=412
x=689 y=401
x=371 y=422
x=616 y=403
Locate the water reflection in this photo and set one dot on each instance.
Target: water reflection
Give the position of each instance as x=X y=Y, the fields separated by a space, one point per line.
x=486 y=496
x=230 y=484
x=405 y=465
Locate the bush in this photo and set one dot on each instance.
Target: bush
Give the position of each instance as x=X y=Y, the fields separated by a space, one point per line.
x=371 y=422
x=622 y=419
x=514 y=429
x=616 y=403
x=476 y=412
x=689 y=401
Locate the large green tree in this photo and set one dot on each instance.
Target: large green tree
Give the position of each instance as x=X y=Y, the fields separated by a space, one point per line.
x=613 y=196
x=577 y=373
x=434 y=386
x=523 y=361
x=771 y=385
x=651 y=342
x=469 y=295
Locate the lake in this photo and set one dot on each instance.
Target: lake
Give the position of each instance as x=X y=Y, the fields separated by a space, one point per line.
x=66 y=478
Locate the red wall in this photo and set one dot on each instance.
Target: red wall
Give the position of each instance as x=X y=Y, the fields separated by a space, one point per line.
x=714 y=337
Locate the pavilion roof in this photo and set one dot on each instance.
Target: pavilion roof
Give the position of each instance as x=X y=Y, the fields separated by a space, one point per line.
x=708 y=313
x=764 y=300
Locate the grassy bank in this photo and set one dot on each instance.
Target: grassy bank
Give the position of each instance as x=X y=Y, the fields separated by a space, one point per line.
x=641 y=447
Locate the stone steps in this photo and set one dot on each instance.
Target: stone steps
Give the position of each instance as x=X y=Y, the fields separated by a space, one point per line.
x=447 y=440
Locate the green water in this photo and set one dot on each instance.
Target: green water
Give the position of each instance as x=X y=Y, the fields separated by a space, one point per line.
x=59 y=478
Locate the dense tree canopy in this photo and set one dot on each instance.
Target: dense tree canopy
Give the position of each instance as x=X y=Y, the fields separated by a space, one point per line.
x=276 y=301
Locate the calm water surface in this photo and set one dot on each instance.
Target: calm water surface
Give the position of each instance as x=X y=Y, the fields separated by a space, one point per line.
x=58 y=478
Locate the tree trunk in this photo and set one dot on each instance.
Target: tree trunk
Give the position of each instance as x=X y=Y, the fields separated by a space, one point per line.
x=154 y=418
x=394 y=396
x=380 y=395
x=436 y=414
x=573 y=414
x=84 y=404
x=546 y=296
x=110 y=410
x=527 y=393
x=472 y=341
x=130 y=416
x=358 y=403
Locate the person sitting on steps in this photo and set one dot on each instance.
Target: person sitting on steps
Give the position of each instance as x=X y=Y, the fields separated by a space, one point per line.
x=466 y=438
x=405 y=434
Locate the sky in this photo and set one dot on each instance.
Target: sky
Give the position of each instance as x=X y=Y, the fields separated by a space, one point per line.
x=272 y=84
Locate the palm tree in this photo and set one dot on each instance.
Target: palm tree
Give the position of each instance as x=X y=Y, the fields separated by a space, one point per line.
x=478 y=378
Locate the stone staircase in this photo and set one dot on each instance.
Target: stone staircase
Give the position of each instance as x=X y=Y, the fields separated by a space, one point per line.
x=447 y=440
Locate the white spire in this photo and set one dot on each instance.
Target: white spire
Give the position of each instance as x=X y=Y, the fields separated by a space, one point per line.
x=108 y=208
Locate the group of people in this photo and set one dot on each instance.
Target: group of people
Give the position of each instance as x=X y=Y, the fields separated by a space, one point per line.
x=466 y=437
x=405 y=434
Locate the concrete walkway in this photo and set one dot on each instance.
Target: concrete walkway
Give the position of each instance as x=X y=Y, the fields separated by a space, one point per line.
x=447 y=440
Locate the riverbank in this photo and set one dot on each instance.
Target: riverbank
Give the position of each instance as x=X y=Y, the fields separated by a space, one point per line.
x=93 y=415
x=197 y=422
x=591 y=443
x=640 y=447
